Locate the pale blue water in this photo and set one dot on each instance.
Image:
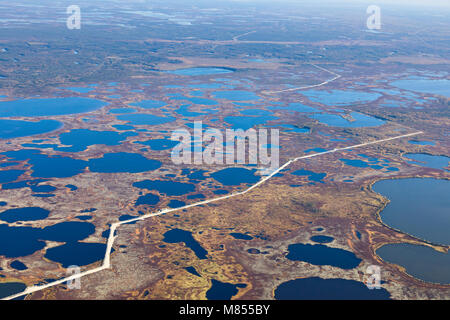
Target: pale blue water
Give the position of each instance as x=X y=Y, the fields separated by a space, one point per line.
x=18 y=128
x=418 y=207
x=48 y=107
x=361 y=120
x=340 y=97
x=200 y=71
x=421 y=262
x=438 y=87
x=428 y=160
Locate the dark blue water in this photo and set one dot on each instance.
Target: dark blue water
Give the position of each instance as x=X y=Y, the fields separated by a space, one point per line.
x=221 y=290
x=235 y=176
x=418 y=207
x=147 y=199
x=241 y=236
x=48 y=107
x=76 y=253
x=178 y=235
x=192 y=270
x=18 y=128
x=24 y=214
x=322 y=239
x=23 y=241
x=312 y=176
x=123 y=162
x=321 y=255
x=18 y=265
x=9 y=288
x=176 y=204
x=170 y=188
x=421 y=262
x=328 y=289
x=48 y=166
x=10 y=175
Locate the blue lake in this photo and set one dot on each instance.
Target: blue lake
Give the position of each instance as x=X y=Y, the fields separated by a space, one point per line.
x=321 y=255
x=428 y=160
x=147 y=199
x=47 y=167
x=321 y=239
x=10 y=175
x=19 y=128
x=121 y=110
x=123 y=162
x=221 y=290
x=200 y=71
x=360 y=120
x=421 y=262
x=340 y=97
x=178 y=236
x=241 y=236
x=79 y=139
x=312 y=176
x=11 y=288
x=316 y=288
x=76 y=253
x=438 y=87
x=23 y=241
x=418 y=207
x=24 y=214
x=235 y=176
x=48 y=107
x=159 y=144
x=422 y=143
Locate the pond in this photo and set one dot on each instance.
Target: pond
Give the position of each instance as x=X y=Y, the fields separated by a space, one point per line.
x=179 y=235
x=235 y=176
x=316 y=288
x=321 y=255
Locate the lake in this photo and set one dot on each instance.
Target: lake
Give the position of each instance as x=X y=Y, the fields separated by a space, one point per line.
x=418 y=207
